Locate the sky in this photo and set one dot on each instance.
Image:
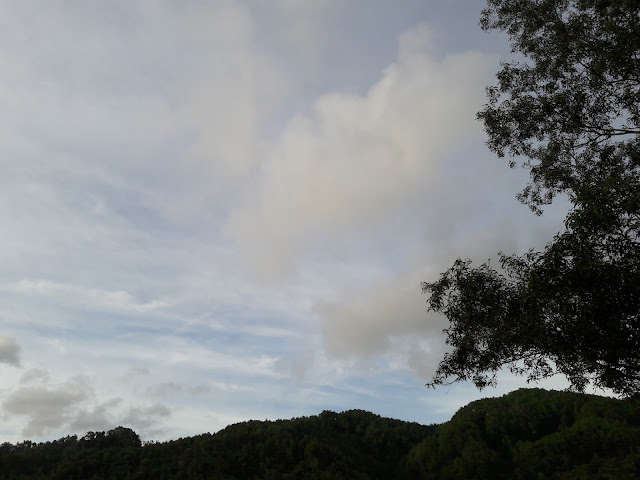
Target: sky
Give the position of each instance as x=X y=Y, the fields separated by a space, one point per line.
x=222 y=210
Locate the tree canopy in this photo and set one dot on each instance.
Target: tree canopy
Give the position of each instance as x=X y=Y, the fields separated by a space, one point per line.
x=527 y=434
x=568 y=109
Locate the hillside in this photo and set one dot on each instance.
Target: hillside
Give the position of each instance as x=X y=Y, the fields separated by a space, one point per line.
x=528 y=434
x=534 y=434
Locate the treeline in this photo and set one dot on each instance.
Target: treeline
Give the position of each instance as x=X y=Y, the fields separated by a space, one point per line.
x=528 y=434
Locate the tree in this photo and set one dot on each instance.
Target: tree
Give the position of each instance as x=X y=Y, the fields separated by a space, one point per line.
x=575 y=94
x=568 y=110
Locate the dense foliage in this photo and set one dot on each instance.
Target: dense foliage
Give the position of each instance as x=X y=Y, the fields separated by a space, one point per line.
x=534 y=434
x=568 y=109
x=571 y=95
x=528 y=434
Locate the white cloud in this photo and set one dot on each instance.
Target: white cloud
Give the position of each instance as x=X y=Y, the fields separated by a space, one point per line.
x=9 y=350
x=358 y=161
x=475 y=217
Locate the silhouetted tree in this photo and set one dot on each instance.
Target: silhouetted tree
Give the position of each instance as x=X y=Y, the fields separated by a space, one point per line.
x=568 y=109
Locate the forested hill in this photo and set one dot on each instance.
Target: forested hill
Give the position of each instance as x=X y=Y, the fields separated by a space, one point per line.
x=528 y=434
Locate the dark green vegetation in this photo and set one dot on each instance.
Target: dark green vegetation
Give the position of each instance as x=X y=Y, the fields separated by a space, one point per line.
x=528 y=434
x=534 y=434
x=567 y=108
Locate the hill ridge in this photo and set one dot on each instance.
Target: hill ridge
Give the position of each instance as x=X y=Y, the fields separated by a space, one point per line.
x=526 y=434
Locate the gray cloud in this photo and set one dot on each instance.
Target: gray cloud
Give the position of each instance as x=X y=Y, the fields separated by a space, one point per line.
x=172 y=388
x=47 y=407
x=423 y=357
x=136 y=373
x=167 y=388
x=96 y=419
x=199 y=389
x=71 y=407
x=297 y=366
x=369 y=321
x=145 y=419
x=33 y=375
x=9 y=350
